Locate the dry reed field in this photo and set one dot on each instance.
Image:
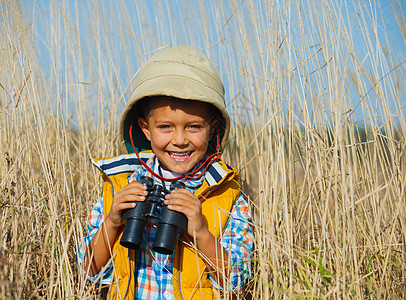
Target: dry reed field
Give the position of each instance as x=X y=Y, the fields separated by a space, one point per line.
x=316 y=92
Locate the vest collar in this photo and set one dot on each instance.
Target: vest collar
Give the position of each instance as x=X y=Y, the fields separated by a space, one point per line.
x=128 y=163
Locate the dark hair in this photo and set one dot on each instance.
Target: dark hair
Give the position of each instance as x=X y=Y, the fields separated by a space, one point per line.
x=145 y=106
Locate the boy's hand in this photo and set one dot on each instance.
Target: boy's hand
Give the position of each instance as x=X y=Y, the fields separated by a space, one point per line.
x=184 y=201
x=125 y=199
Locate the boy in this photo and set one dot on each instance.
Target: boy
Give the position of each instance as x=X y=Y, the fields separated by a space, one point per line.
x=177 y=110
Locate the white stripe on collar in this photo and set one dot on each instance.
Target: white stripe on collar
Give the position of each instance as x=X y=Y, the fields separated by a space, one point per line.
x=121 y=164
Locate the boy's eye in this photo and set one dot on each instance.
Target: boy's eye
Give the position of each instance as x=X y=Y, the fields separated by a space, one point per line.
x=164 y=126
x=195 y=126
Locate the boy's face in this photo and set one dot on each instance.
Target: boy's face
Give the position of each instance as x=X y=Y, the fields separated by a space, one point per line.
x=179 y=136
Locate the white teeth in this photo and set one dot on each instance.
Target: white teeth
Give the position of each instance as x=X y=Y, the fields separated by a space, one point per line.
x=177 y=154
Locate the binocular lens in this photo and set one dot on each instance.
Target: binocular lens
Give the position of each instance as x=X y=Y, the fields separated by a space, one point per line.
x=165 y=239
x=132 y=234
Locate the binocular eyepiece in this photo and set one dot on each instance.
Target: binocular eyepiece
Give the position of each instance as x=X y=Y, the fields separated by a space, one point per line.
x=169 y=225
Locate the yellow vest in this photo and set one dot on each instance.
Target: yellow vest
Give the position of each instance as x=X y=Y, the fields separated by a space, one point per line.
x=218 y=194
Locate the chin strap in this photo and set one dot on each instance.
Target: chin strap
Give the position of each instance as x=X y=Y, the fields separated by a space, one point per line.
x=191 y=175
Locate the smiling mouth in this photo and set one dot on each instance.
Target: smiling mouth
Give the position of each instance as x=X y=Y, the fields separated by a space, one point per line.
x=180 y=156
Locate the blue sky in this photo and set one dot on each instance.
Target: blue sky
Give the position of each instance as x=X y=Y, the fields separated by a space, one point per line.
x=156 y=24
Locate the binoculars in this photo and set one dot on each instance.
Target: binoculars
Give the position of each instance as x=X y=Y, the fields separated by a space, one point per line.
x=169 y=225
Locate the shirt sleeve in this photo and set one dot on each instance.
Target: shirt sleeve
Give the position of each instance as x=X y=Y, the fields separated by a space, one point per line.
x=237 y=239
x=96 y=219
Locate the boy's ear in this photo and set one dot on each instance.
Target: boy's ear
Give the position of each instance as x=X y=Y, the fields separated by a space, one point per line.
x=213 y=128
x=144 y=127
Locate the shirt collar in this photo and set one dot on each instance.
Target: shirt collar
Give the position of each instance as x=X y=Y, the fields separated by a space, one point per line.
x=154 y=164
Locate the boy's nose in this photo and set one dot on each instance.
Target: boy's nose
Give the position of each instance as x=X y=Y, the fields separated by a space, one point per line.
x=179 y=138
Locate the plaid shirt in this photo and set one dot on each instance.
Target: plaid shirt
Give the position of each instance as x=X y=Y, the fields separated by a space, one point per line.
x=153 y=271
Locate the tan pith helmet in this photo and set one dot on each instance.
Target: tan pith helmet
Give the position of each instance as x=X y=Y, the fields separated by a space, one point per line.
x=182 y=72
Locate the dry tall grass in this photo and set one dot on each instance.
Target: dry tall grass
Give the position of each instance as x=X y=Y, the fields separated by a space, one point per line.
x=327 y=190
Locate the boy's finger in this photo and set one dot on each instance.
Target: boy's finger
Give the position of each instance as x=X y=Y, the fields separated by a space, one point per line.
x=129 y=198
x=135 y=185
x=180 y=193
x=182 y=201
x=126 y=205
x=133 y=191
